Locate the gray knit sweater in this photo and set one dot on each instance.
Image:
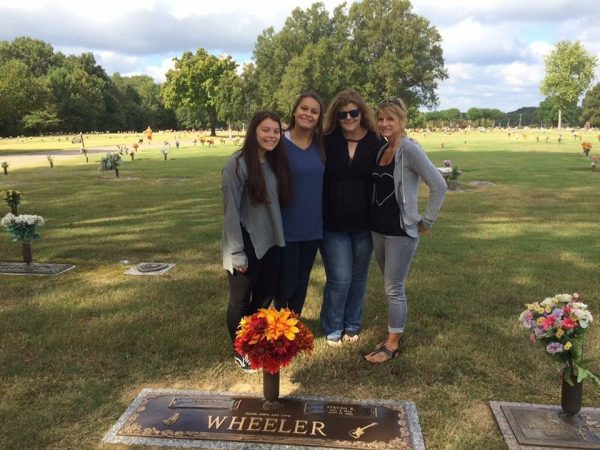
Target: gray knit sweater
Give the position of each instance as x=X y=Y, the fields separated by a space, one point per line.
x=412 y=164
x=262 y=221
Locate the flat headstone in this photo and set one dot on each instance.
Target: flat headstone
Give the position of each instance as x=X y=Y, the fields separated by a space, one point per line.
x=150 y=268
x=194 y=419
x=528 y=426
x=12 y=268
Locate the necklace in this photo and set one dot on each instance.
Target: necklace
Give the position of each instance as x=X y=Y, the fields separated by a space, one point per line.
x=352 y=140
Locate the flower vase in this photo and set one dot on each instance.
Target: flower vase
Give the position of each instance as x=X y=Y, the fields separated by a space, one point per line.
x=270 y=390
x=452 y=184
x=571 y=396
x=27 y=255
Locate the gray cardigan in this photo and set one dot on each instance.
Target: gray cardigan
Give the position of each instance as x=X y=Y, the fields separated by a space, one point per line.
x=262 y=221
x=412 y=164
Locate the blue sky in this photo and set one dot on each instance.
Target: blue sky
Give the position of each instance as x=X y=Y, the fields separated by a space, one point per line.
x=493 y=49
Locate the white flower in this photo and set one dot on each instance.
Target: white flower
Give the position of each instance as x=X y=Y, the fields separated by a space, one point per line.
x=7 y=220
x=549 y=301
x=563 y=298
x=583 y=316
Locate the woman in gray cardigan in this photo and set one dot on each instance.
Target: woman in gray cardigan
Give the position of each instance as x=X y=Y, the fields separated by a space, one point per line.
x=254 y=182
x=395 y=220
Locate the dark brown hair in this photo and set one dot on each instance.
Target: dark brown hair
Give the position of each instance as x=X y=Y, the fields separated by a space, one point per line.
x=276 y=158
x=318 y=133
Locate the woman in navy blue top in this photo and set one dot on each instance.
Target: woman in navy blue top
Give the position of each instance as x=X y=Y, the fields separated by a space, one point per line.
x=303 y=217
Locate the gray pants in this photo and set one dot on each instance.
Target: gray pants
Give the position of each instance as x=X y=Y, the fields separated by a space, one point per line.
x=394 y=255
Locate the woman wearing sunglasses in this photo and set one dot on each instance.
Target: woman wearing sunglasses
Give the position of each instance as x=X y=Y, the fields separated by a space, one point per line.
x=350 y=146
x=395 y=220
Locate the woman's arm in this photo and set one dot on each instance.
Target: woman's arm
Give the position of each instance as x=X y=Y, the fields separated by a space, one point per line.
x=233 y=186
x=421 y=164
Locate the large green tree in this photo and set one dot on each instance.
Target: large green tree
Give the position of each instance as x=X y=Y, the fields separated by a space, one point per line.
x=79 y=90
x=569 y=72
x=20 y=93
x=37 y=55
x=195 y=82
x=379 y=47
x=591 y=106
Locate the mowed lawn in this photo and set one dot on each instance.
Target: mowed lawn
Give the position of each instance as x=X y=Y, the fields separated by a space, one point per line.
x=76 y=349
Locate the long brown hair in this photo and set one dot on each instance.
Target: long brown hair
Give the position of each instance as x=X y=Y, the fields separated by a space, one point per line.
x=342 y=99
x=318 y=133
x=276 y=158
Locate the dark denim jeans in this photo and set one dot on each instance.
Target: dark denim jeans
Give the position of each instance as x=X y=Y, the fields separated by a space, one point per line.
x=297 y=259
x=346 y=257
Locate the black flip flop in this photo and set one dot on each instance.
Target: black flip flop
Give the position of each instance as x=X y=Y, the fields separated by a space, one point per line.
x=391 y=354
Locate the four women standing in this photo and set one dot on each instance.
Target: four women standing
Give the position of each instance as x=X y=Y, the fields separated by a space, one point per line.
x=269 y=252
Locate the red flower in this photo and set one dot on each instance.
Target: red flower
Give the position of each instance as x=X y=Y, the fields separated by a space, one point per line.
x=548 y=322
x=569 y=324
x=255 y=339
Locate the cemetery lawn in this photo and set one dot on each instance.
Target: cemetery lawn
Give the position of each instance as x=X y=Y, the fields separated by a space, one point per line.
x=77 y=348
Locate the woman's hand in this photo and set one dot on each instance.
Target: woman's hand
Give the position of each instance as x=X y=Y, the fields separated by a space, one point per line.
x=242 y=269
x=422 y=229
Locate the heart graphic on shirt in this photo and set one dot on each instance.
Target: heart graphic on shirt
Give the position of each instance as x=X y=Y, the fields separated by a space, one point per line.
x=376 y=193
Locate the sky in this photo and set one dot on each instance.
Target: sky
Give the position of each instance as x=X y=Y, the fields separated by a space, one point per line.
x=493 y=49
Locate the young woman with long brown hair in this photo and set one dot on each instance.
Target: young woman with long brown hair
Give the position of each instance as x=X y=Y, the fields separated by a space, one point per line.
x=255 y=181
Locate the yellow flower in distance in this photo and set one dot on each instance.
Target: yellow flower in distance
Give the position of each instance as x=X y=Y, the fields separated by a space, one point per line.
x=280 y=323
x=560 y=332
x=568 y=346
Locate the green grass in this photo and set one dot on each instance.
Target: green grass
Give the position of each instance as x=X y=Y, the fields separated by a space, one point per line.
x=75 y=349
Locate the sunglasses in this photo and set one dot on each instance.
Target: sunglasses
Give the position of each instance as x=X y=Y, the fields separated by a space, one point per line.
x=393 y=101
x=353 y=113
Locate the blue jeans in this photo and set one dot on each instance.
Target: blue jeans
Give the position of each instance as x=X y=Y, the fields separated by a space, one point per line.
x=297 y=260
x=346 y=257
x=394 y=255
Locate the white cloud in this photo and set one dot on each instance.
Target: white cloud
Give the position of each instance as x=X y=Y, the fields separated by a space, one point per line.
x=494 y=49
x=519 y=75
x=159 y=72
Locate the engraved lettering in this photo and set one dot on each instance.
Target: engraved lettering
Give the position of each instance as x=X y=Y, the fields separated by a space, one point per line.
x=217 y=420
x=270 y=422
x=300 y=427
x=281 y=425
x=239 y=421
x=254 y=423
x=318 y=426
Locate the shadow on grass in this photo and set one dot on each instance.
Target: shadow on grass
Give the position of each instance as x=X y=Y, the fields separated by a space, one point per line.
x=76 y=348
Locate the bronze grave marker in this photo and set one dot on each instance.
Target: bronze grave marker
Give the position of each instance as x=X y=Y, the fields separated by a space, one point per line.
x=215 y=420
x=528 y=426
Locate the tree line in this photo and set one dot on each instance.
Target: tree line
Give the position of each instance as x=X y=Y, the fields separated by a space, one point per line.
x=379 y=47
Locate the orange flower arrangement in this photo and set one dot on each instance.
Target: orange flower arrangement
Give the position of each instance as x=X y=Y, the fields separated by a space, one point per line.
x=272 y=338
x=587 y=146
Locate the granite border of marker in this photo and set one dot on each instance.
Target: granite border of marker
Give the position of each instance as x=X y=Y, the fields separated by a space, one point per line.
x=545 y=417
x=35 y=268
x=112 y=437
x=135 y=271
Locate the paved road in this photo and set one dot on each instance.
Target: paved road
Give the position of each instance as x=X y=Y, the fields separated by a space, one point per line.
x=29 y=158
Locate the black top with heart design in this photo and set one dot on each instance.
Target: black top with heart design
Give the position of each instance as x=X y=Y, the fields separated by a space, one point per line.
x=385 y=211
